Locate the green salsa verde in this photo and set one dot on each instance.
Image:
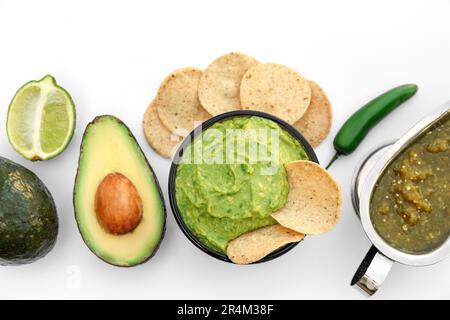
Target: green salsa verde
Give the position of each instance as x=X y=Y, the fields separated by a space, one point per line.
x=410 y=207
x=230 y=191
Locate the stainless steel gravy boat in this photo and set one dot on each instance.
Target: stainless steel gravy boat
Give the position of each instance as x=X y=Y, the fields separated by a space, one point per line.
x=378 y=261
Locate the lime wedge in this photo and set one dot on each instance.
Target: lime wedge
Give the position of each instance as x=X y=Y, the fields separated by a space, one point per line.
x=41 y=119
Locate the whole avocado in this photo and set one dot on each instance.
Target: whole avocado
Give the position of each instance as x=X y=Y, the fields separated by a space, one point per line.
x=28 y=218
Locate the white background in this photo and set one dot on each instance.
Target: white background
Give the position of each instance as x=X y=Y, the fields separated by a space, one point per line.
x=112 y=55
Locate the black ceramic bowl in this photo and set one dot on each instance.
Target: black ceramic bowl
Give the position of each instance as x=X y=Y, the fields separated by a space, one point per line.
x=173 y=170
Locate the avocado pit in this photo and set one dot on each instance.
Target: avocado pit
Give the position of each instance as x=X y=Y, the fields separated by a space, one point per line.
x=118 y=205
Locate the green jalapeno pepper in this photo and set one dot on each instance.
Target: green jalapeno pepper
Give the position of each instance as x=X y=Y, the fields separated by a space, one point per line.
x=359 y=124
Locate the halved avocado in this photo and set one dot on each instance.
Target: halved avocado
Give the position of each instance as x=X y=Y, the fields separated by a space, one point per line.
x=118 y=202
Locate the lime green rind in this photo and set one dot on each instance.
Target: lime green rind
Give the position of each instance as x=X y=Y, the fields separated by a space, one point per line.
x=74 y=117
x=47 y=79
x=29 y=83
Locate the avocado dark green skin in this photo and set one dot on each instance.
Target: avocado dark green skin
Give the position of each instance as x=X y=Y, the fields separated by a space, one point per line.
x=28 y=217
x=158 y=186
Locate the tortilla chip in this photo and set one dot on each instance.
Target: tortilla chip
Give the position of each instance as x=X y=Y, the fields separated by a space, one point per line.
x=158 y=136
x=253 y=246
x=314 y=200
x=316 y=122
x=219 y=87
x=275 y=89
x=177 y=100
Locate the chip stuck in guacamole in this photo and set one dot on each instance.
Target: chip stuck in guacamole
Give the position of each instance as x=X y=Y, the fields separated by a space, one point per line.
x=231 y=178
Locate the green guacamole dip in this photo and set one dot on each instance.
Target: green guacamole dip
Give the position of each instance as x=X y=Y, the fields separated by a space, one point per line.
x=231 y=178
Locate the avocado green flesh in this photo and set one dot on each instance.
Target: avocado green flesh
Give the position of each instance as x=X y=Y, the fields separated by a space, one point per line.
x=108 y=146
x=28 y=218
x=220 y=201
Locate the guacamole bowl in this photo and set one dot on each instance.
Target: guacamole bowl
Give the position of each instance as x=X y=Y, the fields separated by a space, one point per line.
x=228 y=177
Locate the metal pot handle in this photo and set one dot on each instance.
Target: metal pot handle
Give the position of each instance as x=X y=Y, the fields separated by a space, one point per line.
x=372 y=271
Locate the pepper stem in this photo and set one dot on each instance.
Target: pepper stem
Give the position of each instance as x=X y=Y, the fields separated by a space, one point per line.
x=335 y=157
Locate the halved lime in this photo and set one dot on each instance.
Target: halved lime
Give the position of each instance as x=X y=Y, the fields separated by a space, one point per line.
x=41 y=119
